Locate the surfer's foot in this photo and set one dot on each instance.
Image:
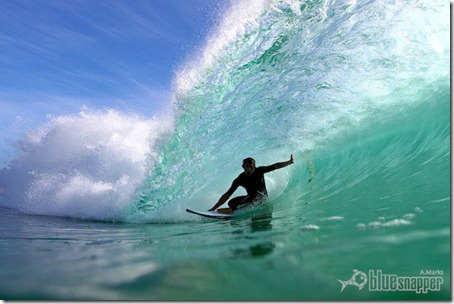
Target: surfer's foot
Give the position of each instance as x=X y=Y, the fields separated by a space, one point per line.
x=224 y=210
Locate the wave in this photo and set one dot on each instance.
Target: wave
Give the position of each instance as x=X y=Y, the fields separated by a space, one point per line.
x=274 y=78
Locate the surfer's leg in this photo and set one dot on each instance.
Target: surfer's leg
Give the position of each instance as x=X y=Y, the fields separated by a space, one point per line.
x=237 y=201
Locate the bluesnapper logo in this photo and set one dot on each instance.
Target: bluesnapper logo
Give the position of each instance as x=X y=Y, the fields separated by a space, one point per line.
x=428 y=280
x=356 y=274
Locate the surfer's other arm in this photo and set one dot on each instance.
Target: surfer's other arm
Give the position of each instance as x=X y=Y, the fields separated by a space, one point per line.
x=221 y=201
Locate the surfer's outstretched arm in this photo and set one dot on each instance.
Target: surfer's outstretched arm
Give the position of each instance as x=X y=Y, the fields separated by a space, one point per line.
x=286 y=163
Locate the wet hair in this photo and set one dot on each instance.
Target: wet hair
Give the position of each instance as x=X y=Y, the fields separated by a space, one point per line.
x=248 y=160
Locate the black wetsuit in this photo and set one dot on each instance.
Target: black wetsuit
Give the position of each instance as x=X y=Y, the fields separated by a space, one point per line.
x=254 y=185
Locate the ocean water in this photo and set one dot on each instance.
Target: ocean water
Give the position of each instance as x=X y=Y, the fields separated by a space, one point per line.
x=93 y=207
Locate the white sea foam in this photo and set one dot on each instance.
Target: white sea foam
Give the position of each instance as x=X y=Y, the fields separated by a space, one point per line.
x=335 y=218
x=310 y=227
x=408 y=216
x=381 y=224
x=87 y=165
x=396 y=222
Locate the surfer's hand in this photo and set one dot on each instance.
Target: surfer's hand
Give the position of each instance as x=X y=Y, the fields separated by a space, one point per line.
x=212 y=209
x=292 y=159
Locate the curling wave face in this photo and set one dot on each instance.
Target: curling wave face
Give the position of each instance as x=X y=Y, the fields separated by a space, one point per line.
x=289 y=76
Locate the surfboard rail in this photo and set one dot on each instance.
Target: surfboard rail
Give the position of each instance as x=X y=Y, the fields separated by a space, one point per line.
x=211 y=214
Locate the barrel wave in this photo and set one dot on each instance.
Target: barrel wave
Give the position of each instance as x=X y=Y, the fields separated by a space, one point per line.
x=357 y=90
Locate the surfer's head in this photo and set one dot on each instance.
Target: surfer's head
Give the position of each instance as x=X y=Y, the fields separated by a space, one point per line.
x=249 y=165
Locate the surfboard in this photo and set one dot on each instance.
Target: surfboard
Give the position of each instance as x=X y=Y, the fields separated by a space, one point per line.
x=211 y=214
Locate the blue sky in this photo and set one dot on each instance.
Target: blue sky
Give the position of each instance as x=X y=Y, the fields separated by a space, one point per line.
x=57 y=56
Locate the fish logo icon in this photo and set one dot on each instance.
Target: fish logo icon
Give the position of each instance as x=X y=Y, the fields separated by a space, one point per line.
x=353 y=282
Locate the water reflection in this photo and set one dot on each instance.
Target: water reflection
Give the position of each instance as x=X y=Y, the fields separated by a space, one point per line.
x=262 y=223
x=260 y=249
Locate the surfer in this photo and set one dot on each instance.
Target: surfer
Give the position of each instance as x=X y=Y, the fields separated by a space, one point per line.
x=253 y=180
